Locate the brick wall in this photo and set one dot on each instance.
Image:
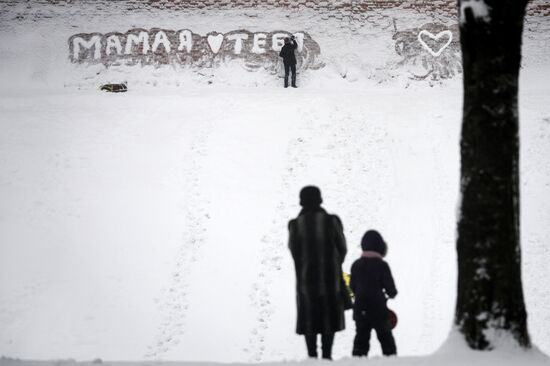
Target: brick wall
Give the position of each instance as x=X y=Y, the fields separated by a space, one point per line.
x=354 y=9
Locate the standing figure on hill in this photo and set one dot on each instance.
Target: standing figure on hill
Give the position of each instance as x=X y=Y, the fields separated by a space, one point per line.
x=318 y=247
x=289 y=59
x=372 y=283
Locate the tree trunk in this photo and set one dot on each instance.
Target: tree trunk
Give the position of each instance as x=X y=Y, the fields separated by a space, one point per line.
x=490 y=301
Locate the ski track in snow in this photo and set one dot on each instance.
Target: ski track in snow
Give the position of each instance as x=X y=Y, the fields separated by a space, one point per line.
x=348 y=145
x=273 y=249
x=356 y=199
x=332 y=143
x=176 y=297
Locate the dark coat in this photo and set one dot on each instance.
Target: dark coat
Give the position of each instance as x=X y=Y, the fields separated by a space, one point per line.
x=287 y=53
x=371 y=281
x=318 y=247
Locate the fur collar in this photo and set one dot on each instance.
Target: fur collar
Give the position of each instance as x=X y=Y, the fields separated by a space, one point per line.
x=371 y=254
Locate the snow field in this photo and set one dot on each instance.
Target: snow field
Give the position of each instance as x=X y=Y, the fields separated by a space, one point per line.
x=152 y=224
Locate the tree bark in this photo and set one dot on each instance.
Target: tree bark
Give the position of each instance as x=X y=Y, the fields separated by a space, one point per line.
x=490 y=302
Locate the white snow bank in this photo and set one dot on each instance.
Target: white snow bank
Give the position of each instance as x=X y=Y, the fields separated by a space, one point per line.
x=453 y=353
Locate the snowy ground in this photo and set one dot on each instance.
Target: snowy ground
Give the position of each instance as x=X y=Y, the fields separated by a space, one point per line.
x=453 y=353
x=152 y=224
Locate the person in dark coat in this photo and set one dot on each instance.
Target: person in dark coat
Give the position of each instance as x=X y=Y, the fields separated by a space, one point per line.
x=372 y=283
x=289 y=59
x=318 y=247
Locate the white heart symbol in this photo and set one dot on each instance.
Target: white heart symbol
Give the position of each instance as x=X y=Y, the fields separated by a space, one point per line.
x=215 y=42
x=435 y=37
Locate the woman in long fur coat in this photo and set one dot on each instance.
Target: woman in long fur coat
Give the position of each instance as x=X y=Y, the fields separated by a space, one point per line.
x=318 y=247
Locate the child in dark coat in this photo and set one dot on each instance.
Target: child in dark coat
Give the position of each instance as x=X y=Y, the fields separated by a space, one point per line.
x=372 y=283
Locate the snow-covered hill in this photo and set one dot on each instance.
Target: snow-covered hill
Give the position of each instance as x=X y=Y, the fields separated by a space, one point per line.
x=152 y=224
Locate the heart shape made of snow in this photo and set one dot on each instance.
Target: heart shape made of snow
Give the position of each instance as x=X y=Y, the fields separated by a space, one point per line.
x=436 y=37
x=215 y=41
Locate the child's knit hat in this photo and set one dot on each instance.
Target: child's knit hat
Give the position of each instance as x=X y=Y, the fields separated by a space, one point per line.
x=372 y=241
